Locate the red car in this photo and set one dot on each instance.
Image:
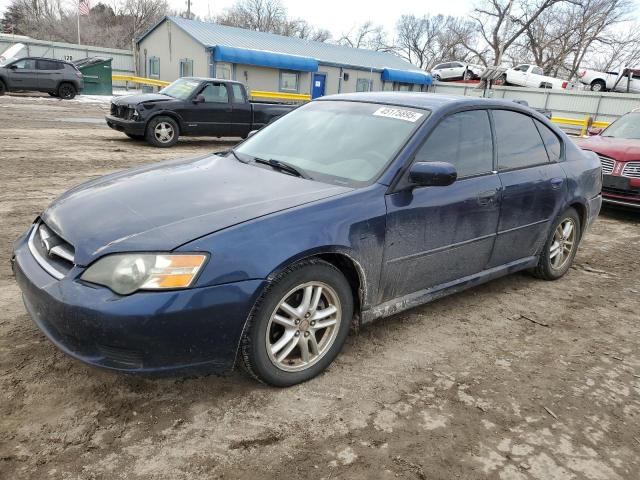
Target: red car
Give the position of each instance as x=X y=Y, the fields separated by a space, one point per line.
x=618 y=147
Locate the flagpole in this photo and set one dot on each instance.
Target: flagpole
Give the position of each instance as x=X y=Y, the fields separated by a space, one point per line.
x=78 y=25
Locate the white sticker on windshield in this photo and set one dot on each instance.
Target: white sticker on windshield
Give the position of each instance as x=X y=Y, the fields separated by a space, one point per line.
x=398 y=113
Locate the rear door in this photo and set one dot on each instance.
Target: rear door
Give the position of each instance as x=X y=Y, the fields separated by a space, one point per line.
x=436 y=235
x=23 y=75
x=533 y=182
x=49 y=74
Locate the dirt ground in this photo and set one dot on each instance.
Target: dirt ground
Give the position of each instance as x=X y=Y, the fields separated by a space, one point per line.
x=519 y=379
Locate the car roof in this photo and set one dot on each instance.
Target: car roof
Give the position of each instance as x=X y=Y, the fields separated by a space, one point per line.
x=207 y=79
x=41 y=58
x=429 y=101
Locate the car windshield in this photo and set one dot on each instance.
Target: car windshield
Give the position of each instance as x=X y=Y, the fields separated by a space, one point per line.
x=336 y=141
x=627 y=126
x=181 y=88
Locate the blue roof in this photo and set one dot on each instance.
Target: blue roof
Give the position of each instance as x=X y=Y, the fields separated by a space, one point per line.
x=223 y=53
x=212 y=35
x=405 y=76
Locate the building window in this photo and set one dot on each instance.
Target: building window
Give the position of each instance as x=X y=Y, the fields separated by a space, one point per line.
x=388 y=86
x=154 y=67
x=224 y=70
x=404 y=87
x=186 y=67
x=364 y=85
x=288 y=81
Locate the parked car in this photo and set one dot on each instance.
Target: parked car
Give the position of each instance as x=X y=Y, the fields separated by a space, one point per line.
x=531 y=76
x=618 y=147
x=606 y=81
x=350 y=208
x=55 y=77
x=191 y=106
x=456 y=71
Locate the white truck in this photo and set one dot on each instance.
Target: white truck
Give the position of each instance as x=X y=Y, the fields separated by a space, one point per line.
x=606 y=81
x=526 y=75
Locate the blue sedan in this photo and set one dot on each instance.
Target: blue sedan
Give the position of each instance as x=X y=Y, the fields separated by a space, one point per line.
x=348 y=209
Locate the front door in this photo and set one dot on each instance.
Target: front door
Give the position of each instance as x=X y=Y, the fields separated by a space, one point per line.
x=319 y=80
x=23 y=75
x=436 y=235
x=534 y=185
x=212 y=117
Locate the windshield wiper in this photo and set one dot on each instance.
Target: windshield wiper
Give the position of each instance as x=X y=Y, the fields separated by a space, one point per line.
x=284 y=166
x=233 y=152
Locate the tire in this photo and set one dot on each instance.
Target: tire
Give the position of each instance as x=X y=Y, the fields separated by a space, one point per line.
x=272 y=349
x=501 y=81
x=555 y=260
x=468 y=75
x=436 y=77
x=3 y=88
x=67 y=91
x=134 y=136
x=162 y=132
x=598 y=86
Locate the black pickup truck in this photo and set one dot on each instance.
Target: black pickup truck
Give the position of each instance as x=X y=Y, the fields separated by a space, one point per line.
x=191 y=106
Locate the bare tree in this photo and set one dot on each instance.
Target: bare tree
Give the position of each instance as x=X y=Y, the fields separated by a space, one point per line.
x=366 y=35
x=502 y=22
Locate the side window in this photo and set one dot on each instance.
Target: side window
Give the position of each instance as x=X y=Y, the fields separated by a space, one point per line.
x=522 y=68
x=364 y=85
x=215 y=93
x=26 y=64
x=238 y=93
x=551 y=141
x=517 y=139
x=537 y=71
x=462 y=139
x=49 y=65
x=439 y=66
x=456 y=65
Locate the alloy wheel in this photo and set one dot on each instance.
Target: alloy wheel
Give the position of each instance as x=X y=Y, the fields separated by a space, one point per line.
x=564 y=241
x=163 y=132
x=303 y=326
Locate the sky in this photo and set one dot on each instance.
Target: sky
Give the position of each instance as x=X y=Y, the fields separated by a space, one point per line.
x=337 y=16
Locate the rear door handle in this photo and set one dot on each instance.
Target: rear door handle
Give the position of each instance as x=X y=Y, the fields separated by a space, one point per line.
x=556 y=183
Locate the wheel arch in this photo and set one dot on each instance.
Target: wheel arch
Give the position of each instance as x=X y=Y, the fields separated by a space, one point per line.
x=350 y=267
x=167 y=113
x=581 y=208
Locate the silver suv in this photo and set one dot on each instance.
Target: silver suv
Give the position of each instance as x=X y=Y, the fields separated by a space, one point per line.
x=55 y=77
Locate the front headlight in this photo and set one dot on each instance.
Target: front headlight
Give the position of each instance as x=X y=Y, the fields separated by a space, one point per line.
x=124 y=273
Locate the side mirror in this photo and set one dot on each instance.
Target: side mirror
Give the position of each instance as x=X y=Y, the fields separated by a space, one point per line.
x=13 y=67
x=199 y=98
x=592 y=131
x=252 y=133
x=432 y=174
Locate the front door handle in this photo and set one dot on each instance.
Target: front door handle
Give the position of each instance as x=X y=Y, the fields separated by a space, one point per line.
x=486 y=198
x=557 y=182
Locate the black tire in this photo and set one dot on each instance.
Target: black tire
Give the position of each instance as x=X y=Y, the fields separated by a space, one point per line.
x=468 y=75
x=598 y=86
x=501 y=81
x=436 y=77
x=253 y=346
x=158 y=140
x=545 y=268
x=67 y=91
x=3 y=88
x=133 y=136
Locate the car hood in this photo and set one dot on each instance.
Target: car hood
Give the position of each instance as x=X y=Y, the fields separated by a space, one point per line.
x=141 y=98
x=620 y=149
x=161 y=207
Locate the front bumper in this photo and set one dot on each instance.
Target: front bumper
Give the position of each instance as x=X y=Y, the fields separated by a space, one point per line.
x=622 y=191
x=132 y=127
x=192 y=330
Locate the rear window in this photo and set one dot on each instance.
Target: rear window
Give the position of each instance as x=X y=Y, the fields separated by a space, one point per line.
x=49 y=65
x=518 y=142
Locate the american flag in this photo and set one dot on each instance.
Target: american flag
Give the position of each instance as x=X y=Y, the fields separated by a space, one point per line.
x=83 y=7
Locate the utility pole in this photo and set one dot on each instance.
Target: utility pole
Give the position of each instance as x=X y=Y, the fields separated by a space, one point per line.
x=189 y=9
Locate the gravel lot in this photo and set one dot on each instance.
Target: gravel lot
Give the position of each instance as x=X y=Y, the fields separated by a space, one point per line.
x=518 y=379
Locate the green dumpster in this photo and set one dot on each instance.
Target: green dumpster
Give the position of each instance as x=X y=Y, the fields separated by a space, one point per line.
x=96 y=73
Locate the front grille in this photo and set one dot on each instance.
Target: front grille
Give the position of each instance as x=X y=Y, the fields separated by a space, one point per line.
x=121 y=357
x=632 y=170
x=52 y=252
x=607 y=165
x=122 y=111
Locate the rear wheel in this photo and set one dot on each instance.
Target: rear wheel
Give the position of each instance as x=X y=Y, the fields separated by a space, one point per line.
x=299 y=325
x=561 y=247
x=3 y=88
x=468 y=75
x=66 y=91
x=598 y=86
x=162 y=132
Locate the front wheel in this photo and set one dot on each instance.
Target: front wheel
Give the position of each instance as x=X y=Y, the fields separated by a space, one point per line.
x=162 y=132
x=561 y=247
x=598 y=86
x=299 y=325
